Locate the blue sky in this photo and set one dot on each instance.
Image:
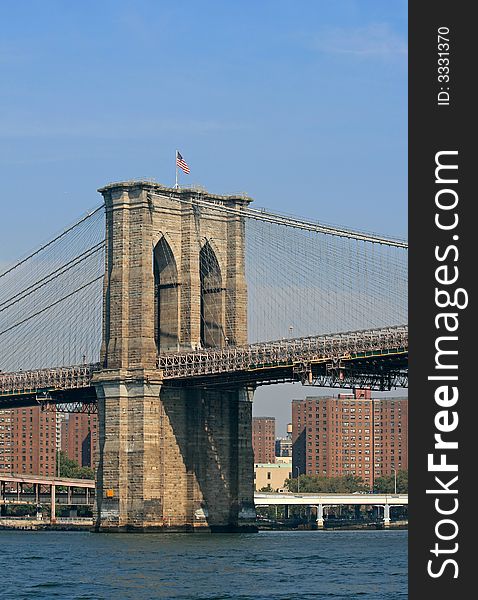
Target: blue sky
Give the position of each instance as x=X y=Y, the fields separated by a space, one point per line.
x=302 y=104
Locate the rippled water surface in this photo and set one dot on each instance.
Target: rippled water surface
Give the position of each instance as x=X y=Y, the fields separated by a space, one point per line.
x=272 y=565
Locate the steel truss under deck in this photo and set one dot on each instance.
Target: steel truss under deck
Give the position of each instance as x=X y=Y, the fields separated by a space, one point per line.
x=376 y=358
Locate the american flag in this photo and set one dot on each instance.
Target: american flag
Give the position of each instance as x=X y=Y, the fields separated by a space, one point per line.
x=181 y=163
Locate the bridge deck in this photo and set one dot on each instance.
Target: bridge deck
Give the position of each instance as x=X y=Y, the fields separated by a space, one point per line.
x=45 y=480
x=379 y=355
x=267 y=499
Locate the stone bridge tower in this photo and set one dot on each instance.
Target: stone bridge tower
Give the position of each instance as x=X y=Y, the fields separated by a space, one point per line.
x=171 y=457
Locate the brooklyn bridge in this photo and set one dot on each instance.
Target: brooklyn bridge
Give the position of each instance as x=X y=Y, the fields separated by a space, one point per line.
x=163 y=309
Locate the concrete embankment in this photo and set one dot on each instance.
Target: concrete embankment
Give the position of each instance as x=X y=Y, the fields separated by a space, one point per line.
x=40 y=525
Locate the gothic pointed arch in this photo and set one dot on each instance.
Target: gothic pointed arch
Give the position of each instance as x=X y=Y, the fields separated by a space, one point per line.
x=212 y=299
x=166 y=297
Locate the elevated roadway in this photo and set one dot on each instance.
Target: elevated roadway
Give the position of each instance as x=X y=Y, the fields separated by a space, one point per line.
x=376 y=358
x=320 y=501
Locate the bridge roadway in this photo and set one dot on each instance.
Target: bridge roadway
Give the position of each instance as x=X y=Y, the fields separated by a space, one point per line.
x=376 y=358
x=30 y=480
x=13 y=485
x=27 y=489
x=292 y=499
x=321 y=501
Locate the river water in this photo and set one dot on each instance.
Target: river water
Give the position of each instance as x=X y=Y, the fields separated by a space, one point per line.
x=278 y=565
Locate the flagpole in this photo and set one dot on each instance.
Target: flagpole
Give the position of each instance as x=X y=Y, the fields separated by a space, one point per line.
x=177 y=185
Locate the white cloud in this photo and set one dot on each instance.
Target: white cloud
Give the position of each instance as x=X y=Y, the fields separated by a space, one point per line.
x=376 y=40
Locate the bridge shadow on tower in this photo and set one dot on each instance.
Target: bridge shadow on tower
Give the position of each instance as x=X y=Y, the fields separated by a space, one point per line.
x=212 y=299
x=166 y=298
x=212 y=457
x=205 y=452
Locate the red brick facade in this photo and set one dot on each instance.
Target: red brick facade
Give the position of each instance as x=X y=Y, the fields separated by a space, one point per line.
x=28 y=441
x=81 y=439
x=264 y=439
x=350 y=435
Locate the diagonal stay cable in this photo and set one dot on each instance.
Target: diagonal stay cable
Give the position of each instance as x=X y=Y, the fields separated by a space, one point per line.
x=62 y=234
x=51 y=305
x=51 y=276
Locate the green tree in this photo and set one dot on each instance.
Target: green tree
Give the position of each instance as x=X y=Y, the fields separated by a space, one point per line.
x=71 y=469
x=386 y=484
x=321 y=483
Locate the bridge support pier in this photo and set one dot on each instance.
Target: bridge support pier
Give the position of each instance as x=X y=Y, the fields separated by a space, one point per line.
x=53 y=504
x=386 y=515
x=172 y=459
x=320 y=516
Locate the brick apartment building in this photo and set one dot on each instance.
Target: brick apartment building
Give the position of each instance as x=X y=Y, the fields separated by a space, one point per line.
x=31 y=438
x=352 y=434
x=80 y=438
x=263 y=439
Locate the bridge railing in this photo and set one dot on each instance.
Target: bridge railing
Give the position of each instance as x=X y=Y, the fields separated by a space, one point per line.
x=286 y=352
x=23 y=382
x=282 y=352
